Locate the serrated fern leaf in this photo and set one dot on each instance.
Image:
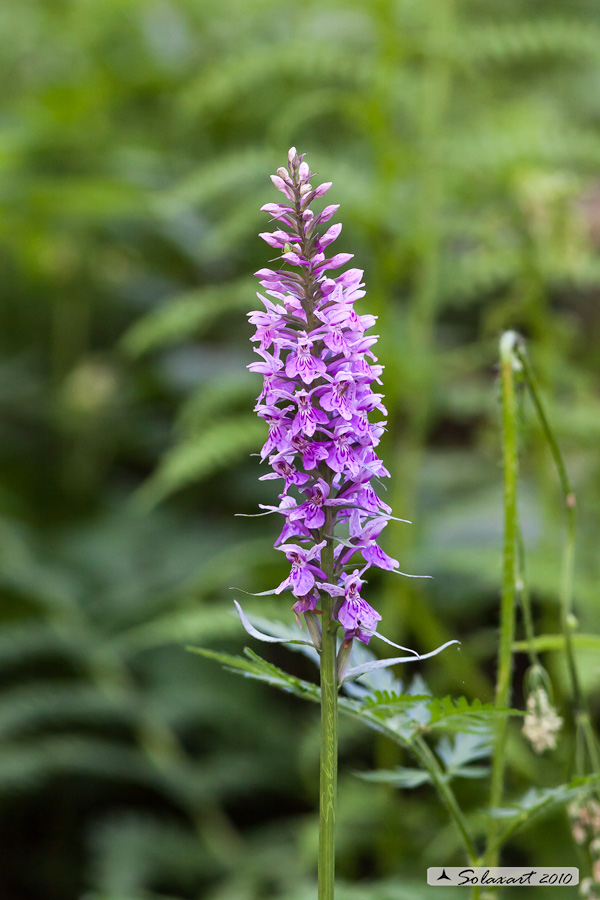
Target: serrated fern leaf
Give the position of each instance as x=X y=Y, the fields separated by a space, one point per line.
x=389 y=700
x=463 y=715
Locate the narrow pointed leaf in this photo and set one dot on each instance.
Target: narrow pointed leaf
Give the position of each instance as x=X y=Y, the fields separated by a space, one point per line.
x=392 y=644
x=261 y=636
x=357 y=671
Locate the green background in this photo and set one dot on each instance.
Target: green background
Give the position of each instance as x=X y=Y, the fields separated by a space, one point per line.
x=136 y=140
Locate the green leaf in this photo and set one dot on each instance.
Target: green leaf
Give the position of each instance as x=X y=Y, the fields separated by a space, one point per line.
x=538 y=802
x=465 y=748
x=557 y=642
x=356 y=671
x=196 y=458
x=389 y=701
x=402 y=777
x=294 y=638
x=253 y=666
x=461 y=715
x=187 y=315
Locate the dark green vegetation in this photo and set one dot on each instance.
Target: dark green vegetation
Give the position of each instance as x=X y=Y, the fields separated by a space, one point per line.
x=136 y=139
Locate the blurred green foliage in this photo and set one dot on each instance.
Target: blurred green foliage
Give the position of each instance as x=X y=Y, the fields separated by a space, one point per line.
x=136 y=139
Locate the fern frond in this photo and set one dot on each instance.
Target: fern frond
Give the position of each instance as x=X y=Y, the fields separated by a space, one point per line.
x=181 y=627
x=186 y=315
x=226 y=175
x=24 y=765
x=219 y=446
x=32 y=640
x=520 y=138
x=528 y=40
x=133 y=850
x=247 y=74
x=463 y=715
x=33 y=706
x=470 y=276
x=213 y=400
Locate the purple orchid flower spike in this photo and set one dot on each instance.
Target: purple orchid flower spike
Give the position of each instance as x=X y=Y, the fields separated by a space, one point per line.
x=325 y=420
x=323 y=405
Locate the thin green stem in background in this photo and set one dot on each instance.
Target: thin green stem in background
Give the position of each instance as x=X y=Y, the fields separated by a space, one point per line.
x=430 y=763
x=427 y=758
x=507 y=608
x=582 y=717
x=568 y=567
x=329 y=738
x=525 y=601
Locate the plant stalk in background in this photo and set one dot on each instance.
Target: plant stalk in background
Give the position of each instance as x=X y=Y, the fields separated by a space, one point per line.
x=317 y=398
x=541 y=722
x=509 y=579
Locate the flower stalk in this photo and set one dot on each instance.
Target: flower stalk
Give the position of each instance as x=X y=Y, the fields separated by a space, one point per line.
x=587 y=757
x=318 y=370
x=328 y=759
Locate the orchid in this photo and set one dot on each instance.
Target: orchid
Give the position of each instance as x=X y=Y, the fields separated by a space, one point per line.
x=325 y=420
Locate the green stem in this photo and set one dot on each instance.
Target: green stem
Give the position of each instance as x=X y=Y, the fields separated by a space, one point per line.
x=582 y=719
x=568 y=567
x=329 y=738
x=421 y=750
x=524 y=599
x=507 y=608
x=429 y=762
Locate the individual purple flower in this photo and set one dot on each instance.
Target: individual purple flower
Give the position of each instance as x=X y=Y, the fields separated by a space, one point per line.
x=301 y=361
x=356 y=616
x=312 y=511
x=302 y=575
x=363 y=537
x=283 y=468
x=290 y=528
x=325 y=420
x=340 y=395
x=278 y=427
x=305 y=604
x=308 y=418
x=313 y=452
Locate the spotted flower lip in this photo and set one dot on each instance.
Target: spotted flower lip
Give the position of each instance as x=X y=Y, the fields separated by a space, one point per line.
x=325 y=419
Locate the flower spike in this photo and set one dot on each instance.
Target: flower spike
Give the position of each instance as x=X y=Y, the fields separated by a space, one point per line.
x=325 y=418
